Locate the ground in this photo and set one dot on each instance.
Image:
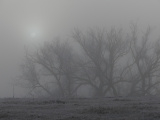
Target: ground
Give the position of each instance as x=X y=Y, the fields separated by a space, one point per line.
x=120 y=108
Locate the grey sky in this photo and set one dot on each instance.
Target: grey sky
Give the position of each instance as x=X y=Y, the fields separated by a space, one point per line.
x=50 y=18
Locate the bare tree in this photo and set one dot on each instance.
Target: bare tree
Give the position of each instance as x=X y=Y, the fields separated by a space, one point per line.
x=58 y=61
x=146 y=58
x=31 y=76
x=102 y=53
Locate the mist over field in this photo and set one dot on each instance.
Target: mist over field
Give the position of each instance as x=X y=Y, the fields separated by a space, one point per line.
x=79 y=59
x=27 y=24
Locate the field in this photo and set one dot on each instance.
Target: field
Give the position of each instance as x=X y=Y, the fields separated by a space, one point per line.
x=120 y=108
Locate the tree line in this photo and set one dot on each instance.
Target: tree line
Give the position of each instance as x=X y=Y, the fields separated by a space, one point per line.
x=111 y=63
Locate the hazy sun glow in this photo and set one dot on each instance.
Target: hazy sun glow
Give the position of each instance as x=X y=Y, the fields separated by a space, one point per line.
x=33 y=31
x=33 y=34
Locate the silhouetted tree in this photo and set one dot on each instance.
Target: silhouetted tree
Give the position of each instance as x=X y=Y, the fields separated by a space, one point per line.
x=101 y=52
x=58 y=61
x=146 y=57
x=31 y=76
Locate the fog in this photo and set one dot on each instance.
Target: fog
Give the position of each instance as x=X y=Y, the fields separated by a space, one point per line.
x=31 y=22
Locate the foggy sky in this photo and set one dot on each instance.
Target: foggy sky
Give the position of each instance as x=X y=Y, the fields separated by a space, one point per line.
x=51 y=18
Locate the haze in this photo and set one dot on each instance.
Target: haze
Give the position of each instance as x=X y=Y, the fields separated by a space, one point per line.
x=31 y=22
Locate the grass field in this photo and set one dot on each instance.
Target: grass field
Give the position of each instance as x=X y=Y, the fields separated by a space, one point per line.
x=120 y=108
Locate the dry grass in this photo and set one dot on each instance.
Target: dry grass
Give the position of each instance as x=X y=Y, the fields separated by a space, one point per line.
x=81 y=109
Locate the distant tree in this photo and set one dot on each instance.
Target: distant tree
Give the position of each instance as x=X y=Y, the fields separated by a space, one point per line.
x=146 y=58
x=30 y=75
x=57 y=60
x=101 y=55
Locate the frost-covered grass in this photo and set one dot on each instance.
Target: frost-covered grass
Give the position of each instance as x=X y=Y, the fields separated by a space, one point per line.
x=120 y=108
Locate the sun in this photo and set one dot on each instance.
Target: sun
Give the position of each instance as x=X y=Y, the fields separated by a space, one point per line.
x=33 y=34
